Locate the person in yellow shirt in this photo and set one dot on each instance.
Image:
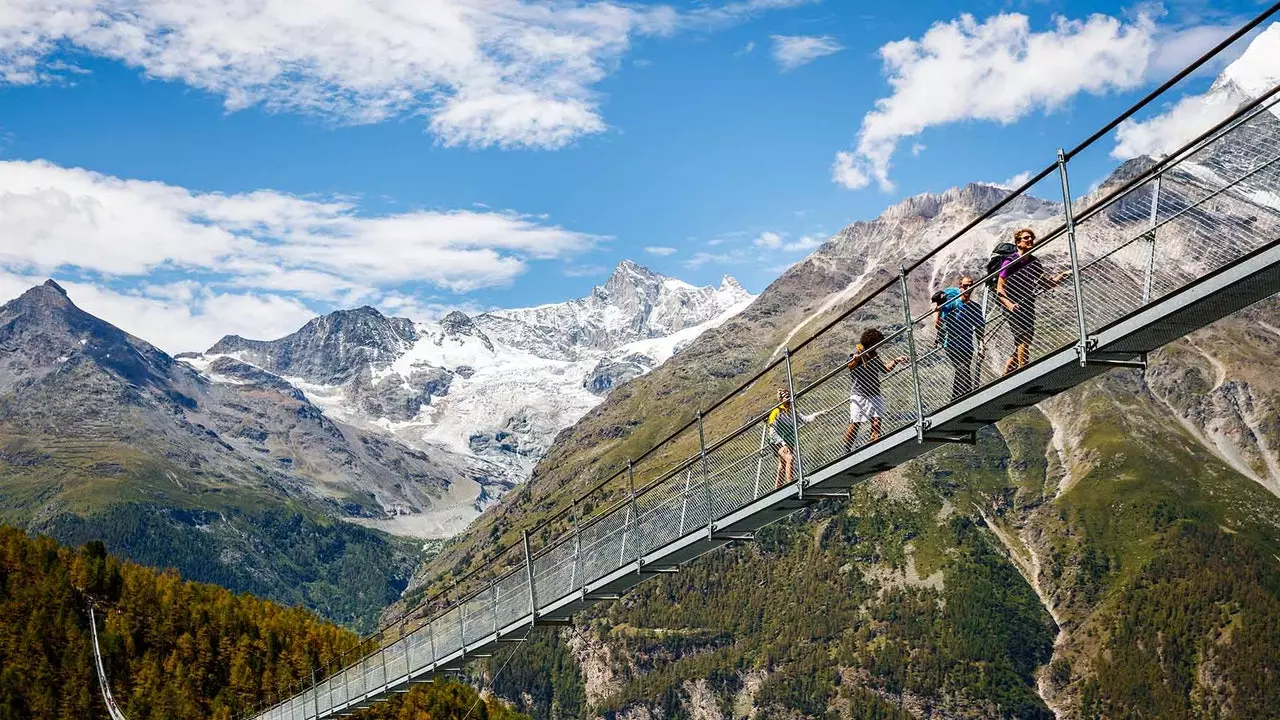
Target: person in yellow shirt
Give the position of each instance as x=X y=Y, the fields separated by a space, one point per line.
x=783 y=437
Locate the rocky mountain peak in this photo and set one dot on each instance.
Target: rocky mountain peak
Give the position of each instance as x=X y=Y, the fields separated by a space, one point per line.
x=630 y=283
x=976 y=197
x=49 y=295
x=42 y=330
x=330 y=348
x=457 y=323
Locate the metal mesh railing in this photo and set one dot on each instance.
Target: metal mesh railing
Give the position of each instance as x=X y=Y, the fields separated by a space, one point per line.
x=1120 y=249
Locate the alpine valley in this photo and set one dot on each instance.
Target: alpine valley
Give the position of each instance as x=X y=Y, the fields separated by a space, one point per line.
x=309 y=469
x=1113 y=552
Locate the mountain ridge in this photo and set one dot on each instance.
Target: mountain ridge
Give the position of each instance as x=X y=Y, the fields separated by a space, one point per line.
x=489 y=391
x=997 y=581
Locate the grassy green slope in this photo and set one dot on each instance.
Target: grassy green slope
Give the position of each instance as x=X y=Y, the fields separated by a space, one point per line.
x=237 y=535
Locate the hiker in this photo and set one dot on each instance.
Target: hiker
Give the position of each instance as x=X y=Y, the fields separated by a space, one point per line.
x=782 y=435
x=958 y=324
x=1022 y=277
x=866 y=402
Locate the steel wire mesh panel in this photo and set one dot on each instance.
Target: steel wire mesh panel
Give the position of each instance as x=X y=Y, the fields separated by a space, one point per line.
x=395 y=657
x=832 y=434
x=736 y=467
x=478 y=616
x=338 y=689
x=419 y=649
x=553 y=571
x=513 y=598
x=658 y=514
x=445 y=632
x=1214 y=206
x=602 y=544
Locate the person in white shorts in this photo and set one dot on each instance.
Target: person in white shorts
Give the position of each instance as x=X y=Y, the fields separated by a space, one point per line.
x=866 y=402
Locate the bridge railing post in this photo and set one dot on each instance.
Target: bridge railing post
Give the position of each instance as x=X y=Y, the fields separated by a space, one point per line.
x=1069 y=216
x=706 y=476
x=635 y=516
x=528 y=569
x=629 y=518
x=574 y=574
x=764 y=439
x=684 y=499
x=406 y=637
x=1151 y=240
x=431 y=641
x=382 y=655
x=795 y=423
x=462 y=625
x=912 y=354
x=493 y=591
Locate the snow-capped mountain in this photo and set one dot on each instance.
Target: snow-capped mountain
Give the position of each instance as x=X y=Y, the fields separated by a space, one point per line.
x=491 y=390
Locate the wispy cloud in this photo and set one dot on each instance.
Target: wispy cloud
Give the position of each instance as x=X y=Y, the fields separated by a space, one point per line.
x=506 y=73
x=1253 y=73
x=793 y=51
x=1017 y=180
x=272 y=250
x=660 y=251
x=778 y=241
x=997 y=70
x=575 y=271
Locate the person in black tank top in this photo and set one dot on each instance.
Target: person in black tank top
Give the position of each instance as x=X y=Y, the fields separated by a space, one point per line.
x=866 y=401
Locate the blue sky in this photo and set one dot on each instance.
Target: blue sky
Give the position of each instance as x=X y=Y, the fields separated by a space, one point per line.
x=190 y=169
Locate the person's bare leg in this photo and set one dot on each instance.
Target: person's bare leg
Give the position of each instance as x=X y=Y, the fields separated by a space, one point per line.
x=875 y=429
x=790 y=463
x=784 y=467
x=1024 y=352
x=1012 y=363
x=850 y=434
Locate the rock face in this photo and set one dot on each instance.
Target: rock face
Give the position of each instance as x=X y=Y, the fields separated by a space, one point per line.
x=484 y=394
x=634 y=304
x=1035 y=575
x=610 y=372
x=102 y=431
x=328 y=349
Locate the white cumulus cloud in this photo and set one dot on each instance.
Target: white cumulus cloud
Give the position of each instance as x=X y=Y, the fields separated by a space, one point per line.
x=1255 y=71
x=57 y=217
x=998 y=70
x=259 y=261
x=660 y=251
x=793 y=51
x=483 y=72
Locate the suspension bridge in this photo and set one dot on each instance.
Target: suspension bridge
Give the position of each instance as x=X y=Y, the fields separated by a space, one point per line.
x=1167 y=247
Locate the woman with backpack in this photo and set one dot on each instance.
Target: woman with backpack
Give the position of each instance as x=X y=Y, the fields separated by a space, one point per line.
x=866 y=402
x=1021 y=279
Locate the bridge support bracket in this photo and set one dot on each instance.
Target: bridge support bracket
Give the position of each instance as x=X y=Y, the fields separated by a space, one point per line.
x=1118 y=360
x=840 y=494
x=734 y=536
x=969 y=438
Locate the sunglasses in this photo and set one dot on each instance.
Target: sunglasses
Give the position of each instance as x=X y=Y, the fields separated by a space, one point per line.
x=1028 y=238
x=966 y=285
